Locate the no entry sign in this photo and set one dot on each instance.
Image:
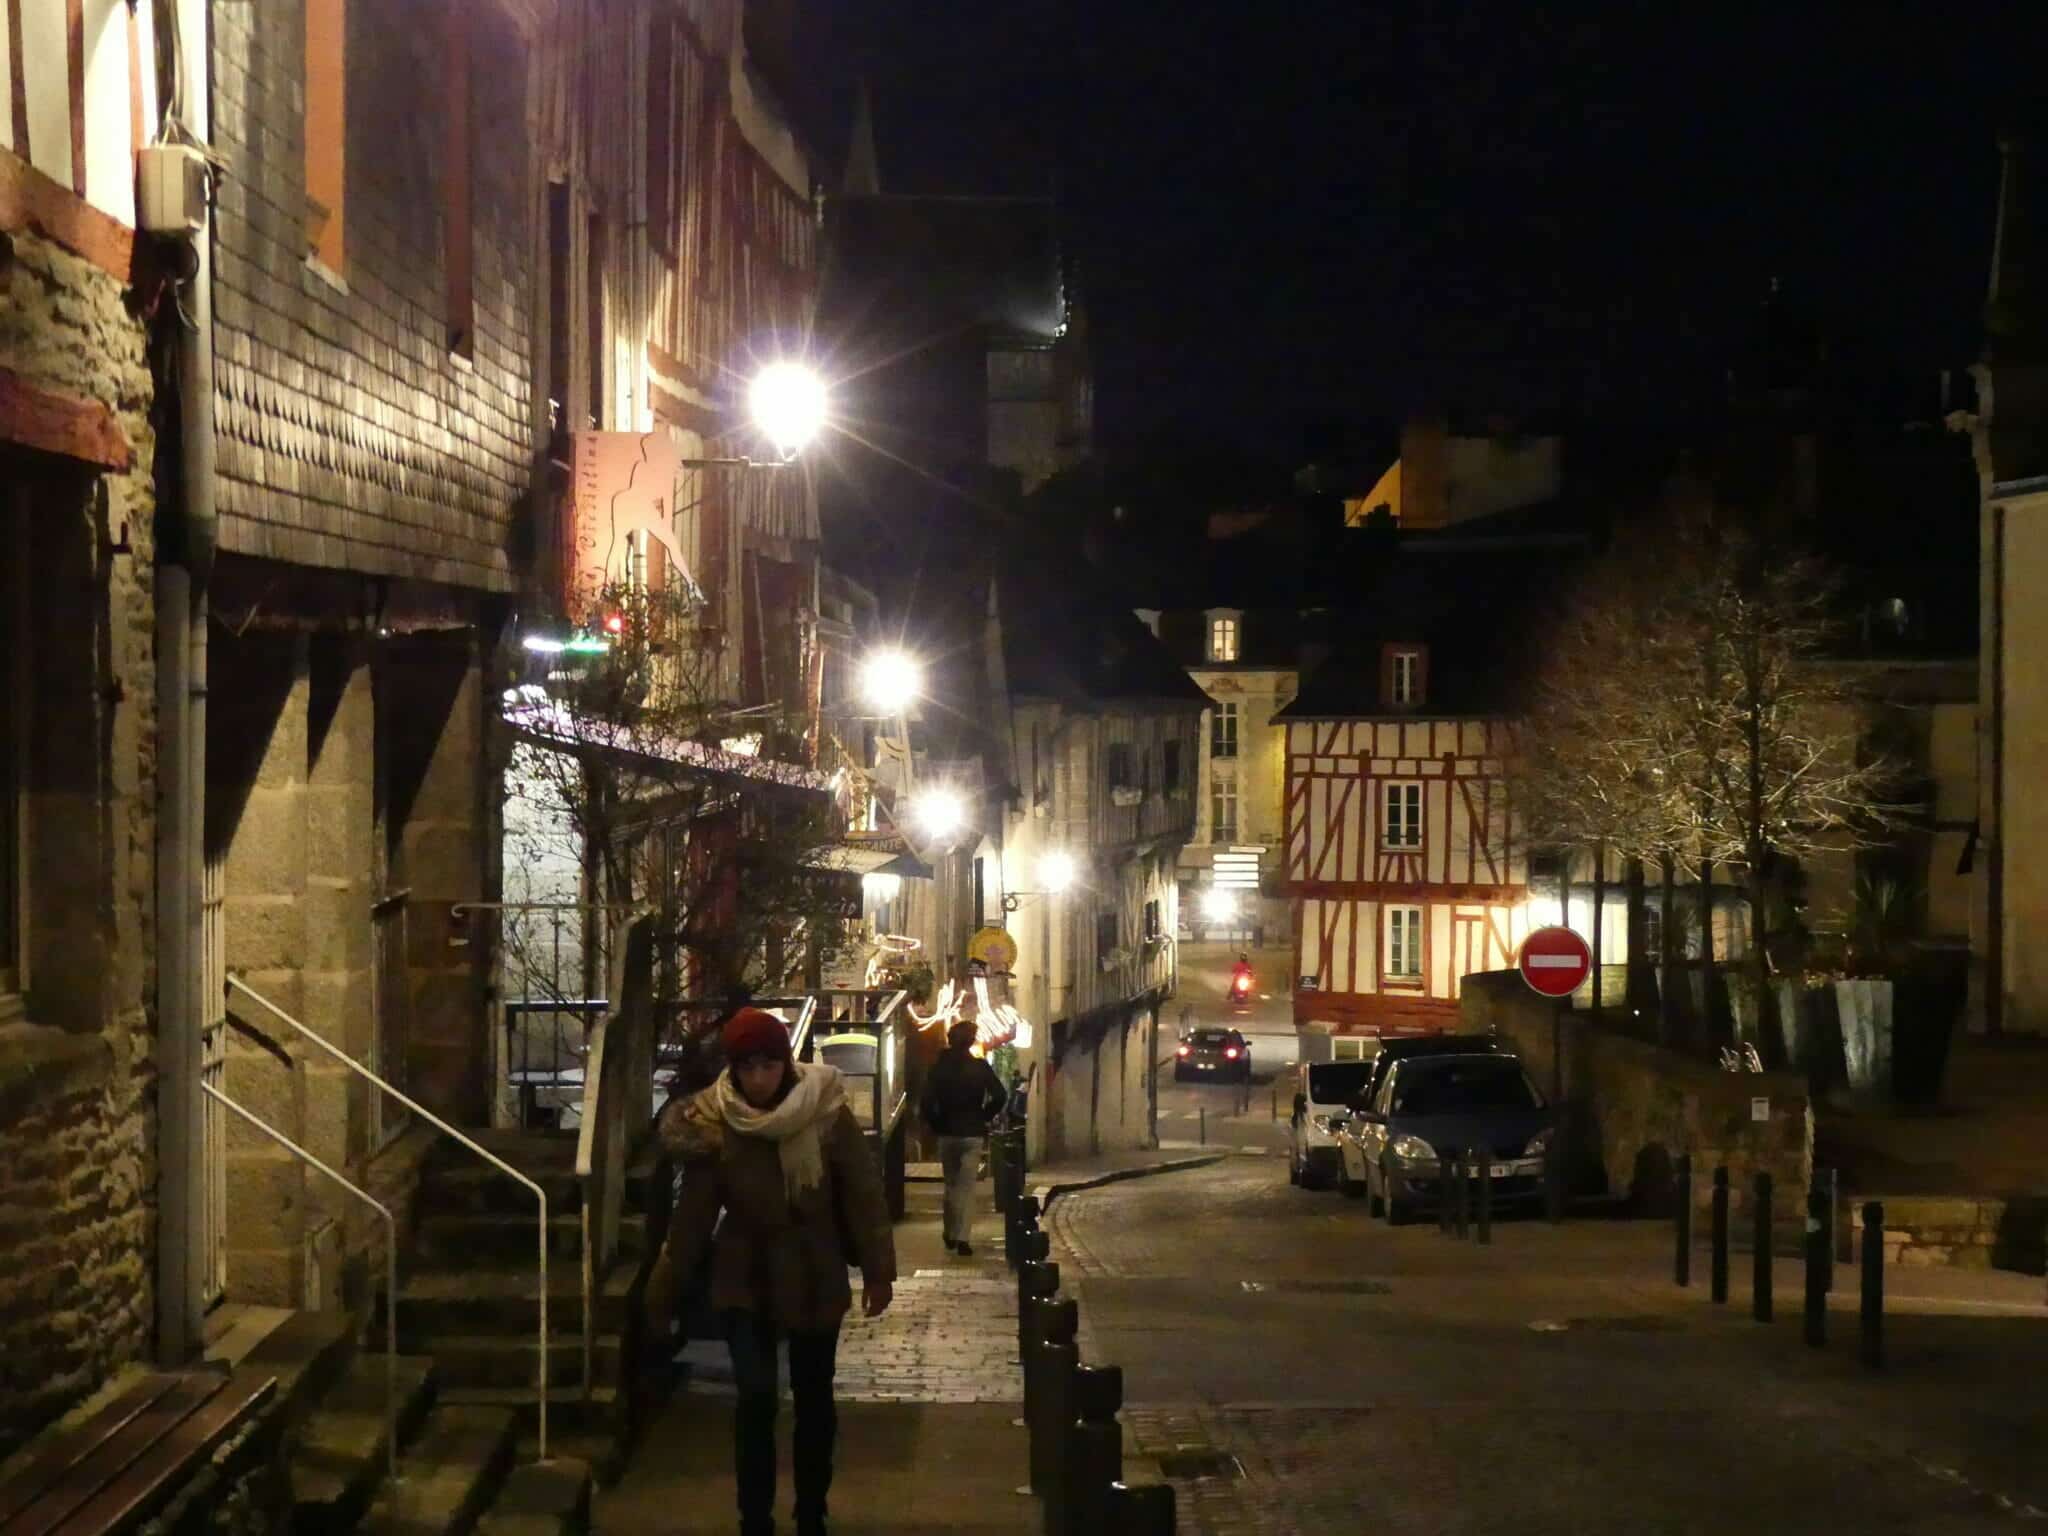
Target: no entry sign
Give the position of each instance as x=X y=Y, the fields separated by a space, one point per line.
x=1555 y=961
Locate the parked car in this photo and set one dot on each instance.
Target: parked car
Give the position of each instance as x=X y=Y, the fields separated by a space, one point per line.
x=1431 y=1108
x=1407 y=1047
x=1212 y=1056
x=1322 y=1095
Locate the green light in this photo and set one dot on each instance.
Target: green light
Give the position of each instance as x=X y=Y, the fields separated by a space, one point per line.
x=588 y=645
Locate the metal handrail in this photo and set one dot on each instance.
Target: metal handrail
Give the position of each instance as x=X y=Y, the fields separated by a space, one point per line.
x=235 y=983
x=390 y=1266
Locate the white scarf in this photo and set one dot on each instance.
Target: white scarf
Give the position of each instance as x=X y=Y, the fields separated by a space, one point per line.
x=816 y=1094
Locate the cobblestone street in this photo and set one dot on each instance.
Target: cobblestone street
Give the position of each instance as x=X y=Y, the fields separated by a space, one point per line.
x=1293 y=1366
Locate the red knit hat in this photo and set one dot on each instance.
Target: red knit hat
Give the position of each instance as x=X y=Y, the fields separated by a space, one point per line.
x=754 y=1032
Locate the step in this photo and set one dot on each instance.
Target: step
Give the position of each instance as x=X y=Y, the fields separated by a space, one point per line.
x=549 y=1499
x=449 y=1476
x=465 y=1302
x=474 y=1187
x=307 y=1353
x=507 y=1236
x=339 y=1456
x=570 y=1410
x=508 y=1359
x=603 y=1451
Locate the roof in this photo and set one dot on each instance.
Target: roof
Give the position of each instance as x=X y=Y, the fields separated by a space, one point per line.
x=1067 y=636
x=1477 y=610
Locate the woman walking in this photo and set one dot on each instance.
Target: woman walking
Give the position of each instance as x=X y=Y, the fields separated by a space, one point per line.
x=773 y=1145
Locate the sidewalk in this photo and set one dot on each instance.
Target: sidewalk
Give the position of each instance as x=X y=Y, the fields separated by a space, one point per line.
x=926 y=1391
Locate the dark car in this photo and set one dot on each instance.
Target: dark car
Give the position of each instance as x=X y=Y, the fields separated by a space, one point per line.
x=1433 y=1108
x=1212 y=1055
x=1407 y=1047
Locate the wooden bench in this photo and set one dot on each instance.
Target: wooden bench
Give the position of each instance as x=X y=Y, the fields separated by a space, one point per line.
x=111 y=1472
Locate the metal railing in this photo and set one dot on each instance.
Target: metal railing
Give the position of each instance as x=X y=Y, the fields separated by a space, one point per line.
x=390 y=1263
x=236 y=984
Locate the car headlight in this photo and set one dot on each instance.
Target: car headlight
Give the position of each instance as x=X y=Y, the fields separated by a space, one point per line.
x=1538 y=1145
x=1413 y=1149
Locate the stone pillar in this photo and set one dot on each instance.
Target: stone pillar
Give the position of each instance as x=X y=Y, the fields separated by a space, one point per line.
x=340 y=872
x=257 y=803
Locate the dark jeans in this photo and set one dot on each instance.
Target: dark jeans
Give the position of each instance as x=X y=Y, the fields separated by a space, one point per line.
x=812 y=1358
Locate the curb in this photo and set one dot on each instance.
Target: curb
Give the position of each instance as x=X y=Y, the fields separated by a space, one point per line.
x=1047 y=1193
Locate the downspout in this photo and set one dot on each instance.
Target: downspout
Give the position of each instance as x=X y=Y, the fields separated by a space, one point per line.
x=181 y=788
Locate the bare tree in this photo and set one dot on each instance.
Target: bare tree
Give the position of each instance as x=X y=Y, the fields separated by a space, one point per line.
x=1687 y=714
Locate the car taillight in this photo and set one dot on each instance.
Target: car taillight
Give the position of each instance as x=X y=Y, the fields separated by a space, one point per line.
x=1182 y=1051
x=1230 y=1053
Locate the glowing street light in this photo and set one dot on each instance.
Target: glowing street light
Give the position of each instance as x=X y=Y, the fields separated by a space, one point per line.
x=891 y=681
x=1056 y=872
x=1218 y=905
x=938 y=812
x=787 y=402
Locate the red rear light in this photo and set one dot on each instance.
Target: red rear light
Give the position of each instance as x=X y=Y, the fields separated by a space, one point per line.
x=1230 y=1053
x=1243 y=983
x=1182 y=1051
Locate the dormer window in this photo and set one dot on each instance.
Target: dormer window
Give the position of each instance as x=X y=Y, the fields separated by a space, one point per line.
x=1223 y=634
x=1404 y=675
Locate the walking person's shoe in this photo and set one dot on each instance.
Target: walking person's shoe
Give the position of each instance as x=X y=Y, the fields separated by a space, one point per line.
x=965 y=1250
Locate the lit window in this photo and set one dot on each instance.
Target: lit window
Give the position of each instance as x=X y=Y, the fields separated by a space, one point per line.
x=1223 y=639
x=1222 y=810
x=324 y=128
x=1403 y=823
x=1223 y=731
x=1404 y=942
x=1406 y=685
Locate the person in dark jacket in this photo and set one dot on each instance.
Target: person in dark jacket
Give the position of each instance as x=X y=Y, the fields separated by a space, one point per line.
x=962 y=1094
x=774 y=1146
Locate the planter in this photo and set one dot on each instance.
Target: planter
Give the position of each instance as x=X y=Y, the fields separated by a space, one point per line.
x=1927 y=1006
x=1864 y=1008
x=1810 y=1027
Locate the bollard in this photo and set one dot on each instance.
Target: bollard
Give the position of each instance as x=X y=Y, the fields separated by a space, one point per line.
x=1444 y=1214
x=1036 y=1278
x=1021 y=1218
x=1553 y=1175
x=1202 y=1121
x=1485 y=1233
x=1146 y=1510
x=1094 y=1453
x=1681 y=1261
x=1761 y=1273
x=1048 y=1387
x=1873 y=1284
x=1818 y=1262
x=1720 y=1234
x=1276 y=1116
x=1465 y=1195
x=1834 y=1222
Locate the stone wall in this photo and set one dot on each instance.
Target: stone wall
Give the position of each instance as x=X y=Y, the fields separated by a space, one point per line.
x=1632 y=1108
x=77 y=1160
x=1098 y=1099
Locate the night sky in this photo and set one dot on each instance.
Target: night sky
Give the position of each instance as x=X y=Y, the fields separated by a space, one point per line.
x=1290 y=215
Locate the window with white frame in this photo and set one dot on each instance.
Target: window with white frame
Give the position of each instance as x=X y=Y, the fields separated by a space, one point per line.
x=1406 y=677
x=1223 y=731
x=1223 y=637
x=1401 y=827
x=1222 y=810
x=1404 y=943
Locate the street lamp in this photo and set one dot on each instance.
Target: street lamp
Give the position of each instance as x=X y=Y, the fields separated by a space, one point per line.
x=891 y=681
x=1218 y=904
x=1056 y=872
x=939 y=812
x=787 y=401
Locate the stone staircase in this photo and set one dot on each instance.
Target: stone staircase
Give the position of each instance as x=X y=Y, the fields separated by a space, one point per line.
x=470 y=1301
x=467 y=1317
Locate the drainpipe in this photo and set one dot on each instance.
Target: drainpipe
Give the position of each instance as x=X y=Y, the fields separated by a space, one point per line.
x=182 y=1258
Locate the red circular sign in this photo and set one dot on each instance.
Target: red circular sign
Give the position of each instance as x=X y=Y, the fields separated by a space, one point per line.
x=1555 y=961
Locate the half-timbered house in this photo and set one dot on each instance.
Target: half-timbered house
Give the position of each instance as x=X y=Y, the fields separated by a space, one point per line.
x=1405 y=864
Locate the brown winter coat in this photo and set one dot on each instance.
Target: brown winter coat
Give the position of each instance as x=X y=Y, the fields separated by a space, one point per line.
x=768 y=1258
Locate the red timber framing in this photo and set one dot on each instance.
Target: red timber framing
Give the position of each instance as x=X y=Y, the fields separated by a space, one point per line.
x=1441 y=844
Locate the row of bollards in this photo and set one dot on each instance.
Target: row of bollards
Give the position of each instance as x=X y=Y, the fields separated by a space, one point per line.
x=1464 y=1197
x=1076 y=1449
x=1817 y=1249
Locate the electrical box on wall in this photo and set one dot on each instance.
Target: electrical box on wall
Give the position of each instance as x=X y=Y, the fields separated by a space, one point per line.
x=170 y=189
